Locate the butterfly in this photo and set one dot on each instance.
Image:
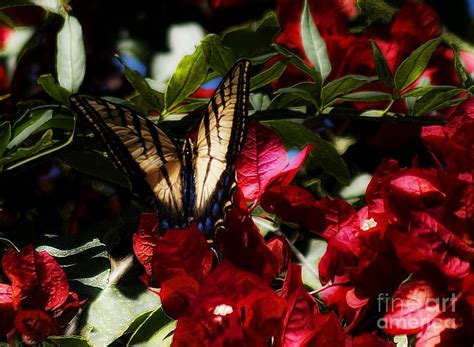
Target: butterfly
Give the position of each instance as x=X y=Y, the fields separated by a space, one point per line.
x=184 y=180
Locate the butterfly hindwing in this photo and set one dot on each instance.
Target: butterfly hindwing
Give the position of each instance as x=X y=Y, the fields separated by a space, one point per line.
x=219 y=140
x=143 y=152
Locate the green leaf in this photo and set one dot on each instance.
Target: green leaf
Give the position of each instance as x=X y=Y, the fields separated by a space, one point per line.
x=436 y=100
x=300 y=94
x=376 y=11
x=123 y=305
x=323 y=156
x=343 y=86
x=154 y=331
x=87 y=162
x=57 y=92
x=5 y=135
x=267 y=76
x=44 y=142
x=369 y=96
x=28 y=124
x=461 y=71
x=381 y=66
x=55 y=6
x=413 y=66
x=259 y=101
x=59 y=121
x=313 y=44
x=422 y=90
x=149 y=96
x=252 y=39
x=299 y=63
x=219 y=58
x=66 y=341
x=70 y=55
x=192 y=105
x=189 y=75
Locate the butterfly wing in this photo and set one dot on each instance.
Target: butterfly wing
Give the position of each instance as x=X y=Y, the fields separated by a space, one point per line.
x=142 y=151
x=219 y=140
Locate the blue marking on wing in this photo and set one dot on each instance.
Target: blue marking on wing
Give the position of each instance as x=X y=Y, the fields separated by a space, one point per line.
x=215 y=209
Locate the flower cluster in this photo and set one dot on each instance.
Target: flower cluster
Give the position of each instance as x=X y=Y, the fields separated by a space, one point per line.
x=37 y=303
x=401 y=264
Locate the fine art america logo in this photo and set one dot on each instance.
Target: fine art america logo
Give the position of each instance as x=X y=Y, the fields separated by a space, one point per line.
x=409 y=319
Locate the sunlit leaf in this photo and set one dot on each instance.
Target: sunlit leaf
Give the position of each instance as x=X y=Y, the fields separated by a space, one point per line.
x=252 y=39
x=70 y=55
x=28 y=124
x=460 y=67
x=149 y=96
x=267 y=76
x=413 y=66
x=368 y=96
x=313 y=44
x=436 y=100
x=220 y=58
x=189 y=75
x=123 y=305
x=381 y=66
x=343 y=86
x=154 y=331
x=299 y=63
x=24 y=152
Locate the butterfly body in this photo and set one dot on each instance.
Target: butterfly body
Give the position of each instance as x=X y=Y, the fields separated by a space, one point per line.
x=192 y=181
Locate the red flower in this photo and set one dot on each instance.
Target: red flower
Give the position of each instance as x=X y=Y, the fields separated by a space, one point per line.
x=244 y=246
x=452 y=143
x=39 y=294
x=421 y=308
x=429 y=245
x=304 y=324
x=233 y=308
x=177 y=262
x=264 y=160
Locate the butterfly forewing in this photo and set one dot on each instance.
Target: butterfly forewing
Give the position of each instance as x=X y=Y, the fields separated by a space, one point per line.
x=143 y=152
x=219 y=140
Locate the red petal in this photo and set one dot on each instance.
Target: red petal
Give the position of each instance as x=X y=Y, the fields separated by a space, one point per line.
x=281 y=252
x=263 y=157
x=176 y=294
x=35 y=325
x=244 y=246
x=145 y=241
x=36 y=278
x=294 y=165
x=292 y=204
x=298 y=323
x=446 y=330
x=429 y=242
x=412 y=307
x=181 y=251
